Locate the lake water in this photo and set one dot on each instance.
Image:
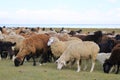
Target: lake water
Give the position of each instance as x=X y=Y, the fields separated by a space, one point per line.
x=64 y=25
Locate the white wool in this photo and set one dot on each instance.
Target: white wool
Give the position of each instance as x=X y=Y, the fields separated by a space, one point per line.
x=101 y=57
x=12 y=33
x=58 y=47
x=79 y=51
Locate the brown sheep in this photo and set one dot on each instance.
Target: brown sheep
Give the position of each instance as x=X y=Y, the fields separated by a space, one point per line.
x=31 y=46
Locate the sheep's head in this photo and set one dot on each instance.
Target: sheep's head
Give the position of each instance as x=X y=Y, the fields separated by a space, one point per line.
x=107 y=66
x=60 y=64
x=17 y=62
x=51 y=40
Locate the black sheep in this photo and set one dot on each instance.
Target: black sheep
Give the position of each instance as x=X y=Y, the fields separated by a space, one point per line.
x=6 y=47
x=113 y=60
x=107 y=46
x=117 y=37
x=96 y=37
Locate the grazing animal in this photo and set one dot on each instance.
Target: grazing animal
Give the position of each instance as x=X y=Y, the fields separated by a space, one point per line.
x=107 y=46
x=79 y=51
x=15 y=39
x=72 y=33
x=101 y=57
x=3 y=30
x=58 y=47
x=96 y=37
x=6 y=48
x=31 y=46
x=117 y=37
x=113 y=60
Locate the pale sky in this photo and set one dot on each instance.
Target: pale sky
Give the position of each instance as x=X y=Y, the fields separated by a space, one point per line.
x=59 y=11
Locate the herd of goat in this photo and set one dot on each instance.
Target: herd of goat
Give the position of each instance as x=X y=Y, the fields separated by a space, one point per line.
x=63 y=47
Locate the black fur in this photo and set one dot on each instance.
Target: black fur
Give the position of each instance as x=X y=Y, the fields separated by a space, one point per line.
x=107 y=66
x=4 y=54
x=96 y=37
x=17 y=62
x=107 y=46
x=6 y=47
x=113 y=60
x=117 y=37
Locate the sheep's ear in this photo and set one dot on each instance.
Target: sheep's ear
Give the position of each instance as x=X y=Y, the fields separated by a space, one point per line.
x=50 y=42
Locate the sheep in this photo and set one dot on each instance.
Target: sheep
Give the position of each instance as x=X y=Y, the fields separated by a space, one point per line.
x=114 y=60
x=107 y=46
x=3 y=30
x=117 y=37
x=72 y=33
x=96 y=37
x=101 y=57
x=58 y=47
x=31 y=46
x=15 y=39
x=79 y=51
x=6 y=48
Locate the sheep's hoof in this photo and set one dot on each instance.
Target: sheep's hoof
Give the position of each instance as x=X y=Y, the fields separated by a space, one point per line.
x=40 y=64
x=34 y=64
x=78 y=71
x=116 y=73
x=91 y=71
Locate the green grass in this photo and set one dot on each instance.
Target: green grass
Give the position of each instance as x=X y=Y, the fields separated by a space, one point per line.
x=49 y=72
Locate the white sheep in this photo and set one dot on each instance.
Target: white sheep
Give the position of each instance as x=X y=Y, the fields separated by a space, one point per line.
x=78 y=51
x=101 y=57
x=58 y=47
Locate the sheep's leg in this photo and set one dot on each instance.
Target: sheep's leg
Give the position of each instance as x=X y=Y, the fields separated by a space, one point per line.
x=112 y=69
x=0 y=57
x=117 y=69
x=92 y=67
x=72 y=63
x=34 y=62
x=78 y=65
x=85 y=65
x=23 y=61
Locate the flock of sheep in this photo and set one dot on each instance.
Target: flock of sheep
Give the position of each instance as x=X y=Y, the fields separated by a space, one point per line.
x=63 y=47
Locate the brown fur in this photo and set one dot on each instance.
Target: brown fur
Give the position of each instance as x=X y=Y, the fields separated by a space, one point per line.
x=33 y=44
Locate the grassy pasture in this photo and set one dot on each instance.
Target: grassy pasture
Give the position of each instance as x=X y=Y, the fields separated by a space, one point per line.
x=49 y=72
